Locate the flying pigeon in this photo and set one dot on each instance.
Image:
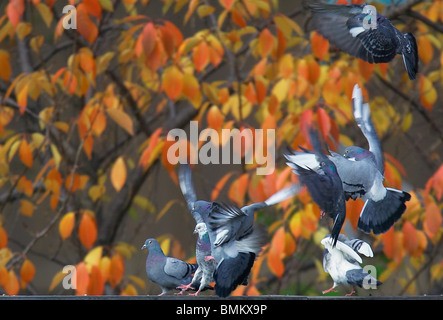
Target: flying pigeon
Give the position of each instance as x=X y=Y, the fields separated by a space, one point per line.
x=363 y=33
x=204 y=274
x=235 y=242
x=324 y=185
x=167 y=272
x=361 y=172
x=342 y=262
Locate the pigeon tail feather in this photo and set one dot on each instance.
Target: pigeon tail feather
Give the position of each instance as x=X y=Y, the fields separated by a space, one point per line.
x=232 y=272
x=410 y=56
x=379 y=216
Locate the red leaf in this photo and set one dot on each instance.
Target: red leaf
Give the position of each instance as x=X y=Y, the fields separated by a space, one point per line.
x=320 y=46
x=87 y=231
x=149 y=38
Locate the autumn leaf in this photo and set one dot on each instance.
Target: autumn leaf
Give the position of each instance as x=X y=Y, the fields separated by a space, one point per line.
x=27 y=272
x=3 y=238
x=87 y=231
x=320 y=46
x=122 y=119
x=25 y=153
x=433 y=220
x=172 y=82
x=116 y=269
x=66 y=225
x=266 y=42
x=118 y=174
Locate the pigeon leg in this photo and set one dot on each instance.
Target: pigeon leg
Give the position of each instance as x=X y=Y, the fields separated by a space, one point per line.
x=196 y=293
x=351 y=293
x=329 y=290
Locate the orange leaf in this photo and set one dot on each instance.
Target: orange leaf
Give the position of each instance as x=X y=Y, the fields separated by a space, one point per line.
x=366 y=69
x=324 y=122
x=96 y=284
x=148 y=38
x=3 y=238
x=238 y=189
x=116 y=270
x=237 y=18
x=25 y=153
x=215 y=118
x=219 y=186
x=426 y=52
x=320 y=45
x=82 y=277
x=410 y=240
x=27 y=272
x=227 y=4
x=85 y=26
x=266 y=42
x=93 y=8
x=433 y=220
x=172 y=82
x=66 y=225
x=11 y=284
x=87 y=231
x=278 y=240
x=122 y=119
x=275 y=263
x=118 y=174
x=200 y=56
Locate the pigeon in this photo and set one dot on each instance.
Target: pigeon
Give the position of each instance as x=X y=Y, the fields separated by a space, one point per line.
x=362 y=175
x=235 y=243
x=167 y=272
x=204 y=275
x=342 y=263
x=324 y=185
x=362 y=32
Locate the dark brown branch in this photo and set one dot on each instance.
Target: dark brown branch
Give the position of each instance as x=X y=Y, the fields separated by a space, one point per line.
x=436 y=26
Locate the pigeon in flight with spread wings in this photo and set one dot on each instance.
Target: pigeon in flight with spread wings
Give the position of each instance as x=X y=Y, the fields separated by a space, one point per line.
x=362 y=32
x=362 y=174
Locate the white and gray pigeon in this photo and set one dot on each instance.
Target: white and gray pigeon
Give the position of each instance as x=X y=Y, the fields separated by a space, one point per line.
x=342 y=263
x=167 y=272
x=362 y=174
x=362 y=32
x=204 y=275
x=235 y=242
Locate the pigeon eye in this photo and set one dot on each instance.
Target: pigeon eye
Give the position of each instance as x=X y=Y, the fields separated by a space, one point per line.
x=323 y=163
x=149 y=242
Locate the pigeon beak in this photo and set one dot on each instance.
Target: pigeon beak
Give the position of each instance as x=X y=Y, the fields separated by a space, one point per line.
x=143 y=247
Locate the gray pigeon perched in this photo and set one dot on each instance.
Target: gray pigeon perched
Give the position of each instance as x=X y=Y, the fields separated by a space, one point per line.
x=361 y=172
x=204 y=274
x=324 y=185
x=167 y=272
x=342 y=262
x=235 y=242
x=363 y=33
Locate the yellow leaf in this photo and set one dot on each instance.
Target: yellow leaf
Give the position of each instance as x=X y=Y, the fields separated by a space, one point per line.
x=23 y=29
x=118 y=174
x=122 y=119
x=45 y=13
x=103 y=62
x=166 y=208
x=96 y=192
x=205 y=10
x=66 y=225
x=26 y=207
x=93 y=257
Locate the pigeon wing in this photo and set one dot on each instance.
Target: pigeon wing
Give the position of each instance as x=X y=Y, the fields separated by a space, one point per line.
x=177 y=268
x=187 y=188
x=362 y=115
